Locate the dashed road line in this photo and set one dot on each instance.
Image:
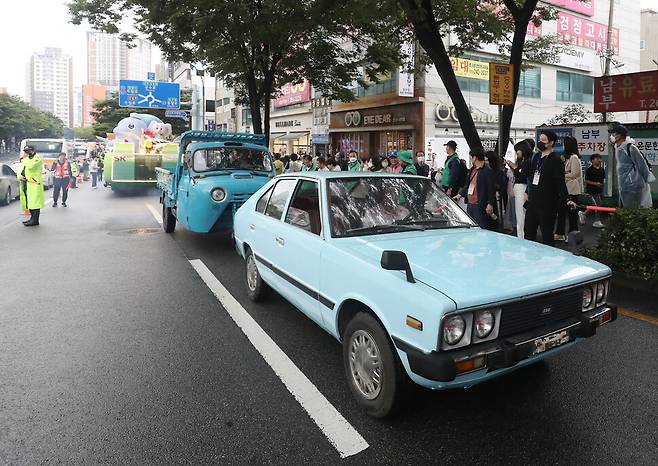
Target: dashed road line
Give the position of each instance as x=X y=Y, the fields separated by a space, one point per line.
x=335 y=427
x=156 y=214
x=637 y=315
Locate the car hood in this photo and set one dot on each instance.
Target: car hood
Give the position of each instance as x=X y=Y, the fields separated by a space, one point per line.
x=477 y=267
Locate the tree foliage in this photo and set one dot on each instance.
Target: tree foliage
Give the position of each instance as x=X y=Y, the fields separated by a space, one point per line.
x=84 y=132
x=107 y=114
x=574 y=113
x=256 y=46
x=20 y=120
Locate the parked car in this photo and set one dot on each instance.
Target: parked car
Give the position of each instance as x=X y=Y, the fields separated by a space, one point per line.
x=48 y=177
x=8 y=184
x=404 y=278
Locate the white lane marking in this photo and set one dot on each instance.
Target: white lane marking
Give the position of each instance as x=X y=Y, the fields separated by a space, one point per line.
x=156 y=214
x=335 y=427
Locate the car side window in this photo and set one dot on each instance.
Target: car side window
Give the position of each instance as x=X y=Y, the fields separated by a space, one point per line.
x=7 y=171
x=304 y=209
x=262 y=202
x=279 y=197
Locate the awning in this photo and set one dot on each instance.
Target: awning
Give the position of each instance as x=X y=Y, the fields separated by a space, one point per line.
x=291 y=136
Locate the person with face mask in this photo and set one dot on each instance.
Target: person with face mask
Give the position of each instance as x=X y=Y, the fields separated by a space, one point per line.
x=394 y=160
x=31 y=183
x=479 y=191
x=594 y=183
x=632 y=169
x=546 y=190
x=386 y=165
x=421 y=167
x=353 y=163
x=521 y=169
x=407 y=162
x=62 y=179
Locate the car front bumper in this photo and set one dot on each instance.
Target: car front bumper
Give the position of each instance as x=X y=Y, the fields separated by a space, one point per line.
x=447 y=366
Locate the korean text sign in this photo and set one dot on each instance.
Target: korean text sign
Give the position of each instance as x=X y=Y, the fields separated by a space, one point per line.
x=292 y=94
x=501 y=84
x=584 y=33
x=466 y=68
x=584 y=7
x=149 y=94
x=626 y=92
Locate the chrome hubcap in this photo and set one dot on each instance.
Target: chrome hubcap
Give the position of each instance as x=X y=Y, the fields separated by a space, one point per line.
x=252 y=273
x=365 y=364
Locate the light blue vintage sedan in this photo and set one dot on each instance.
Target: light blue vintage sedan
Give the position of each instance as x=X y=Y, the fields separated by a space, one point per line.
x=404 y=278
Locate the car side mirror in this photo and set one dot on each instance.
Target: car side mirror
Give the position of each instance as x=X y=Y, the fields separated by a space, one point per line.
x=397 y=260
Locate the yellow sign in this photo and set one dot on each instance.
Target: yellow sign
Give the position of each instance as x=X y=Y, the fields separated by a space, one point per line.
x=501 y=84
x=466 y=68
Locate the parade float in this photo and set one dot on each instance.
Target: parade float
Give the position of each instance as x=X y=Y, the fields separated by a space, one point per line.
x=137 y=145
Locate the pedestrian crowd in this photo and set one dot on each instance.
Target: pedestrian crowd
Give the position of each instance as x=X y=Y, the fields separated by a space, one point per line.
x=67 y=172
x=537 y=192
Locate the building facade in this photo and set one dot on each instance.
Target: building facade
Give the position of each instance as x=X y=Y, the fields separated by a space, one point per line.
x=649 y=50
x=50 y=83
x=90 y=94
x=109 y=59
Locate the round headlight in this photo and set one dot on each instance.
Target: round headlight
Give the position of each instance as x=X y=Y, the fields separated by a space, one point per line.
x=218 y=194
x=588 y=296
x=484 y=323
x=453 y=329
x=600 y=292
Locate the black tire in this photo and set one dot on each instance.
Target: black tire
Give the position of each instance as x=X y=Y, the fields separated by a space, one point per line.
x=8 y=197
x=392 y=376
x=257 y=289
x=168 y=219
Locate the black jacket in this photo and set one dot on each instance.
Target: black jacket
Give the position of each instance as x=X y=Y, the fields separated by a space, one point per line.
x=485 y=186
x=551 y=192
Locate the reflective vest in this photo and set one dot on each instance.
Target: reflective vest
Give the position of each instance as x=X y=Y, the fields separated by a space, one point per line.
x=74 y=169
x=62 y=170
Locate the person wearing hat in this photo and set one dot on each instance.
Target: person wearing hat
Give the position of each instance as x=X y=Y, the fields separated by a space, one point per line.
x=451 y=170
x=407 y=162
x=396 y=166
x=632 y=169
x=30 y=178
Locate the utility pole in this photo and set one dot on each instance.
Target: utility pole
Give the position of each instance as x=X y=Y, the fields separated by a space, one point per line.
x=608 y=48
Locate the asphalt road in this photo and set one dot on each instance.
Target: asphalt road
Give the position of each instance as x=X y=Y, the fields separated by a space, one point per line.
x=113 y=350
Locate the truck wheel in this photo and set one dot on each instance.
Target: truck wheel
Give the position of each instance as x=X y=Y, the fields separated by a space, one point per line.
x=372 y=367
x=168 y=219
x=257 y=289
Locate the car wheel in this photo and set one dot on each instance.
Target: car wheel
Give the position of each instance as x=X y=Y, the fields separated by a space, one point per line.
x=8 y=197
x=257 y=289
x=373 y=369
x=168 y=219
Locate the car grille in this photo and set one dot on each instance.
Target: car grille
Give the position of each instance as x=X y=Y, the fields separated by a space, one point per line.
x=523 y=315
x=241 y=198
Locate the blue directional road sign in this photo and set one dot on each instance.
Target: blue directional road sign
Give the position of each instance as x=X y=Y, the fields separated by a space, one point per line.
x=182 y=114
x=149 y=94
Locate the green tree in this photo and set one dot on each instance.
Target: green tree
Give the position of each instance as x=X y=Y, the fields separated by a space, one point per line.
x=256 y=46
x=574 y=113
x=107 y=114
x=84 y=132
x=475 y=22
x=20 y=120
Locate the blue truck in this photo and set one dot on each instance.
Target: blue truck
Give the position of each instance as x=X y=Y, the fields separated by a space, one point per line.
x=215 y=173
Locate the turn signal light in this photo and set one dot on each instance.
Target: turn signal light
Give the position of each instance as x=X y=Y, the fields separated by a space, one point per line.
x=469 y=365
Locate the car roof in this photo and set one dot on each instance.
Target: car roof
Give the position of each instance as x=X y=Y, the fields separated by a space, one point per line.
x=348 y=174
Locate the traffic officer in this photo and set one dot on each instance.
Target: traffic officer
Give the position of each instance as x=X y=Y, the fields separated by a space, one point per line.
x=30 y=178
x=73 y=165
x=407 y=161
x=62 y=169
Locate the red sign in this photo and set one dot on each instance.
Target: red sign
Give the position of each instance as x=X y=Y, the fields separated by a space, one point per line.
x=533 y=30
x=584 y=7
x=626 y=92
x=293 y=94
x=584 y=33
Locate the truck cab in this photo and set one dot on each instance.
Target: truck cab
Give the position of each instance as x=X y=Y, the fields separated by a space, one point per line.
x=214 y=175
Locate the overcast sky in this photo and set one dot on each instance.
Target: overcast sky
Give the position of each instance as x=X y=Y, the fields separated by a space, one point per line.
x=30 y=25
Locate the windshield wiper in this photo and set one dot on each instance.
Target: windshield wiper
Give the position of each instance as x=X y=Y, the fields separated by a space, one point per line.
x=385 y=229
x=259 y=173
x=434 y=221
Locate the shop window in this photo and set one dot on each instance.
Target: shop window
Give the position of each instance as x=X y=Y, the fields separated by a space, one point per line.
x=572 y=87
x=386 y=86
x=226 y=101
x=246 y=117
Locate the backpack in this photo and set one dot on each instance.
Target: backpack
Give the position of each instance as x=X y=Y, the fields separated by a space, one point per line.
x=463 y=172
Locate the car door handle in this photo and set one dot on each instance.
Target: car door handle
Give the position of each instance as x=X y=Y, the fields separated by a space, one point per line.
x=280 y=241
x=252 y=227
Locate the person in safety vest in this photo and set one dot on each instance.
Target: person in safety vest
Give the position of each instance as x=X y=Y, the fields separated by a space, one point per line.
x=407 y=161
x=30 y=178
x=62 y=169
x=73 y=165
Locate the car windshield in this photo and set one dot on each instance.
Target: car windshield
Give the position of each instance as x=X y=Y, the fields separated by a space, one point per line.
x=374 y=205
x=45 y=147
x=224 y=158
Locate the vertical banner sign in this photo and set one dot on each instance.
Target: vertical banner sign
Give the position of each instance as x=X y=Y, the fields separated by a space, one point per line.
x=406 y=80
x=626 y=92
x=501 y=84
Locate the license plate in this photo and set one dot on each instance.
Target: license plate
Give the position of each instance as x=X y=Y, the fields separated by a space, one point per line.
x=551 y=341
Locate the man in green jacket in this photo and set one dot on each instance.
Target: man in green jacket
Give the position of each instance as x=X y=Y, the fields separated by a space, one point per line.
x=407 y=161
x=30 y=178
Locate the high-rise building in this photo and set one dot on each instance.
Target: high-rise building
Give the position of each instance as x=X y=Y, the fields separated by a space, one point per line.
x=90 y=94
x=109 y=59
x=77 y=106
x=649 y=50
x=50 y=83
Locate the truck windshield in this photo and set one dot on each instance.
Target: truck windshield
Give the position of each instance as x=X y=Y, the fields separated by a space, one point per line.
x=46 y=148
x=233 y=158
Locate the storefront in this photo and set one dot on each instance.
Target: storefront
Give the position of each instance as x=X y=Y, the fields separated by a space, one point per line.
x=377 y=130
x=291 y=133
